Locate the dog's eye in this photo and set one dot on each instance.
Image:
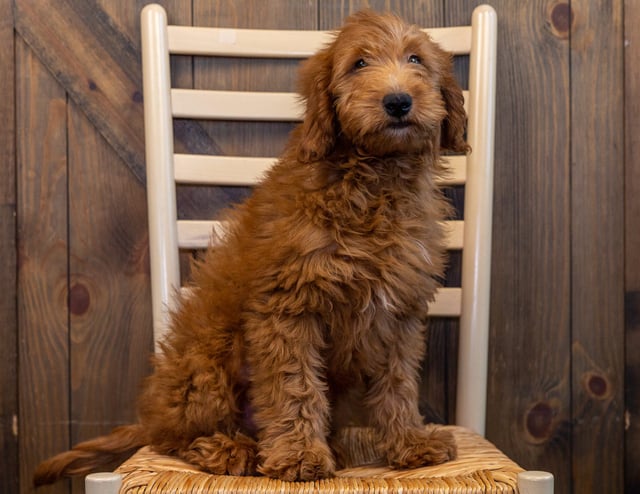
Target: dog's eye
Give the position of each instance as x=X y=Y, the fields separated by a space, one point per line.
x=360 y=64
x=414 y=59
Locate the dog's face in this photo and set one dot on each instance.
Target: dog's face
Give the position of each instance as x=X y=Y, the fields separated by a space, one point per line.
x=385 y=88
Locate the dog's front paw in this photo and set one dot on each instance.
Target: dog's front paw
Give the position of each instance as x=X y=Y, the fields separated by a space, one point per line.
x=288 y=461
x=423 y=447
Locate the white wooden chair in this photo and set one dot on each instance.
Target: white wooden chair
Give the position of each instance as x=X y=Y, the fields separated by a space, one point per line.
x=480 y=466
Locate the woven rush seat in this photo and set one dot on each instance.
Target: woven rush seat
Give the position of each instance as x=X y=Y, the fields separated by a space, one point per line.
x=480 y=467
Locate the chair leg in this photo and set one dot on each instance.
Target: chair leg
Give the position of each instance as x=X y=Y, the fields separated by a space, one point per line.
x=102 y=483
x=535 y=482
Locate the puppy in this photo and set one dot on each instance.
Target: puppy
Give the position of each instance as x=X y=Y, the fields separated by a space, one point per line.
x=321 y=282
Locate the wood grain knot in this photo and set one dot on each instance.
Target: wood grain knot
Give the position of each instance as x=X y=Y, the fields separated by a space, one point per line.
x=136 y=97
x=92 y=85
x=79 y=299
x=597 y=386
x=561 y=20
x=539 y=422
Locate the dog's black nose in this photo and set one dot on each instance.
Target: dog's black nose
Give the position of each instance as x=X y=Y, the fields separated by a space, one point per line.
x=397 y=104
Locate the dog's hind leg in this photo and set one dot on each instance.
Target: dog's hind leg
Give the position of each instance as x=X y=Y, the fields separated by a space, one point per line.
x=192 y=407
x=221 y=454
x=203 y=428
x=202 y=425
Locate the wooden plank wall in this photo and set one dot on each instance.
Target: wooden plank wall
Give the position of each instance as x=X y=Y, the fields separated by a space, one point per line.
x=566 y=278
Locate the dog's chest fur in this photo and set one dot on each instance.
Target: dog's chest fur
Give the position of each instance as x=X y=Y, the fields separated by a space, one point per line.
x=364 y=255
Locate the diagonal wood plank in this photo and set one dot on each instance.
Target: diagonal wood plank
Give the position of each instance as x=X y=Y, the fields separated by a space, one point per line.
x=99 y=67
x=94 y=63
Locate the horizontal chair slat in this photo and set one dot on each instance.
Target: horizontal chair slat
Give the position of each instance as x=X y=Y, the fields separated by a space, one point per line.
x=236 y=105
x=265 y=43
x=249 y=43
x=220 y=170
x=247 y=171
x=242 y=105
x=456 y=171
x=455 y=234
x=198 y=234
x=447 y=302
x=456 y=40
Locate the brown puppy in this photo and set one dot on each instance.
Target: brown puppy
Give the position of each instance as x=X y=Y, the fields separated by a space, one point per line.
x=322 y=281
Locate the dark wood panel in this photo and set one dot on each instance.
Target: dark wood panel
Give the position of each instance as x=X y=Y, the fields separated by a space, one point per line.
x=9 y=468
x=632 y=377
x=99 y=67
x=559 y=221
x=95 y=63
x=109 y=289
x=529 y=386
x=125 y=15
x=427 y=13
x=42 y=243
x=632 y=245
x=7 y=106
x=597 y=245
x=279 y=14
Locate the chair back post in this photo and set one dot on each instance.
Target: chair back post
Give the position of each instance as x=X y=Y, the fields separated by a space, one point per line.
x=161 y=192
x=476 y=258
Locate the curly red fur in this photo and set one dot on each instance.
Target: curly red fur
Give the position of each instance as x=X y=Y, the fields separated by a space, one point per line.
x=102 y=452
x=321 y=282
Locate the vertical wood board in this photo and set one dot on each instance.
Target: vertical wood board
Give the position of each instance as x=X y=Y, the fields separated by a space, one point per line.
x=632 y=245
x=529 y=371
x=109 y=290
x=42 y=278
x=9 y=469
x=597 y=245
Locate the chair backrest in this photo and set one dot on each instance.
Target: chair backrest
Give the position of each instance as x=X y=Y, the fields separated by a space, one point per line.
x=165 y=169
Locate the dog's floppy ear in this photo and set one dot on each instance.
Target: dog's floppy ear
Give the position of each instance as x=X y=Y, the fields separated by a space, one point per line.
x=454 y=125
x=318 y=130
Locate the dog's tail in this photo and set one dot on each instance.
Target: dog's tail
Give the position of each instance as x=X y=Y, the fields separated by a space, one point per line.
x=89 y=456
